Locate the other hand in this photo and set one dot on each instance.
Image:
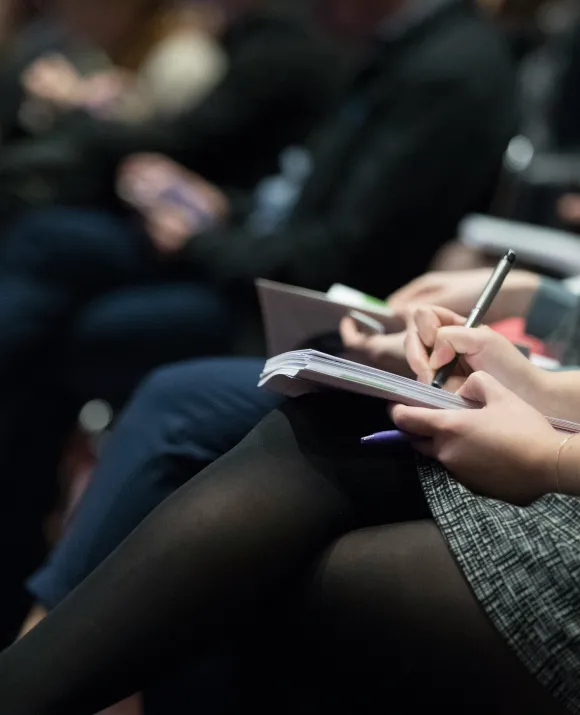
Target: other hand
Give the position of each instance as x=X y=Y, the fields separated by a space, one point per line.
x=175 y=203
x=103 y=91
x=386 y=352
x=569 y=209
x=53 y=80
x=505 y=450
x=459 y=291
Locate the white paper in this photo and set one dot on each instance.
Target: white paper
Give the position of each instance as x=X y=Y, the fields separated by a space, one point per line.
x=302 y=371
x=553 y=250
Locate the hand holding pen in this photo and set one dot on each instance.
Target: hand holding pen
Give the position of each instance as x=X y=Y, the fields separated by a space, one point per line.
x=436 y=336
x=477 y=315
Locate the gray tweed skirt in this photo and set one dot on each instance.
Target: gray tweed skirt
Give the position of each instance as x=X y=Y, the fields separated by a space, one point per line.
x=523 y=565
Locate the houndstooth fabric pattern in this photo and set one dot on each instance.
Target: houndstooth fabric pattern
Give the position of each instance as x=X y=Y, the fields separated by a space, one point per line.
x=523 y=565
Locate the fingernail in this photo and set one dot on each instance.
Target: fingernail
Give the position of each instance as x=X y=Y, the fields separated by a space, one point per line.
x=441 y=356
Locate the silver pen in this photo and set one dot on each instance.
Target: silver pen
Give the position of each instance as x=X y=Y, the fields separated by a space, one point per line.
x=477 y=315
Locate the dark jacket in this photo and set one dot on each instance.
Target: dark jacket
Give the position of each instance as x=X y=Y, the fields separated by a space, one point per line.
x=417 y=144
x=282 y=81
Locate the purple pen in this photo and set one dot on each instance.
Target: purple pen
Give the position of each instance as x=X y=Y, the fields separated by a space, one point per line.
x=391 y=437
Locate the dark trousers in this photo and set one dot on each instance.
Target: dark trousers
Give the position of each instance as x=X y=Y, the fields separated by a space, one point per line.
x=86 y=309
x=55 y=264
x=183 y=418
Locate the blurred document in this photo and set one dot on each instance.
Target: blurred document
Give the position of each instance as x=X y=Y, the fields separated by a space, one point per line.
x=555 y=251
x=295 y=316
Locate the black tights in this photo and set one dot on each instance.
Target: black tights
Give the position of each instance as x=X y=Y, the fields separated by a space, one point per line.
x=386 y=612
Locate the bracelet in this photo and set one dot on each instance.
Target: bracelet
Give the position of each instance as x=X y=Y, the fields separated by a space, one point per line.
x=560 y=450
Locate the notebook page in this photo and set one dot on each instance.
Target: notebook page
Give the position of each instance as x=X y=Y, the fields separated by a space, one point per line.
x=317 y=368
x=309 y=364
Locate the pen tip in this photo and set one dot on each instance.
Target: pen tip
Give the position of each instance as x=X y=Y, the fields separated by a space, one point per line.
x=511 y=256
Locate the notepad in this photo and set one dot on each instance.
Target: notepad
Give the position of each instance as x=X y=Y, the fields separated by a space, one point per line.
x=301 y=371
x=294 y=316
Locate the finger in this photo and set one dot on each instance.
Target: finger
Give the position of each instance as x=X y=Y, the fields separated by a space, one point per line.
x=443 y=353
x=464 y=341
x=352 y=337
x=428 y=319
x=172 y=229
x=417 y=357
x=418 y=420
x=569 y=208
x=427 y=322
x=423 y=324
x=434 y=315
x=483 y=388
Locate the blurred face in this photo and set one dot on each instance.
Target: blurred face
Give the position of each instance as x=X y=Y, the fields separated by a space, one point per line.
x=104 y=22
x=355 y=18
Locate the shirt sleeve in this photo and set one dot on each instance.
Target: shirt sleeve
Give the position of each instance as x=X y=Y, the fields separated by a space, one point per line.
x=553 y=303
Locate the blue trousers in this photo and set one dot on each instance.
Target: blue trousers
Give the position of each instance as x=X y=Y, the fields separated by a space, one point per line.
x=86 y=310
x=183 y=418
x=65 y=272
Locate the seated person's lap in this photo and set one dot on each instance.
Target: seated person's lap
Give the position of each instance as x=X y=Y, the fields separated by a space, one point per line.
x=183 y=418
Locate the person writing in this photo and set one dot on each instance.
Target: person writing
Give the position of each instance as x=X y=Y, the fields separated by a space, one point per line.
x=174 y=426
x=467 y=558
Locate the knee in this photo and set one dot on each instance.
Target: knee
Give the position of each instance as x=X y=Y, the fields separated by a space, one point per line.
x=184 y=387
x=336 y=585
x=41 y=223
x=165 y=388
x=41 y=234
x=381 y=567
x=61 y=232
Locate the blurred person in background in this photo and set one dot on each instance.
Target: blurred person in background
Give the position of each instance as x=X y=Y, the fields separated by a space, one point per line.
x=186 y=416
x=280 y=81
x=157 y=59
x=390 y=174
x=241 y=553
x=542 y=189
x=132 y=60
x=272 y=80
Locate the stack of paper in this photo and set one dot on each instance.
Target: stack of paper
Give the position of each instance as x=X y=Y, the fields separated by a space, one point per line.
x=303 y=371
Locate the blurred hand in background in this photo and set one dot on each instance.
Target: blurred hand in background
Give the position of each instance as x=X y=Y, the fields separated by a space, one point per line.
x=176 y=204
x=55 y=82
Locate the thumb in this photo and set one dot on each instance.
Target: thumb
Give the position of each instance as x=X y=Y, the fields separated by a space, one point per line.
x=352 y=337
x=483 y=388
x=469 y=342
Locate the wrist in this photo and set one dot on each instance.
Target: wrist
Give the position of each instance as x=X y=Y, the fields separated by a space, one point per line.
x=543 y=393
x=567 y=466
x=547 y=465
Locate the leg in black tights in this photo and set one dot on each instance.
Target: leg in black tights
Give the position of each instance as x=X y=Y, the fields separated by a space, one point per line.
x=394 y=622
x=214 y=556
